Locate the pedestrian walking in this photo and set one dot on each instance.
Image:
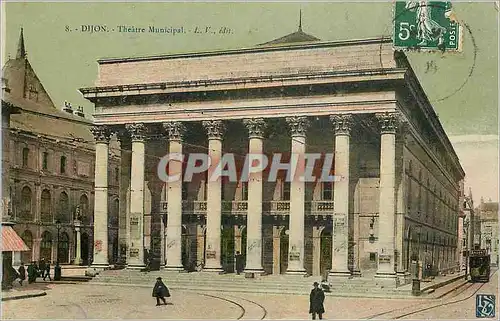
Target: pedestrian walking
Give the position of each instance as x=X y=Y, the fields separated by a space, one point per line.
x=41 y=266
x=316 y=299
x=47 y=272
x=22 y=273
x=32 y=272
x=160 y=291
x=239 y=262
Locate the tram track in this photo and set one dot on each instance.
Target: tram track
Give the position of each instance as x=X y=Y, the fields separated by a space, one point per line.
x=427 y=308
x=242 y=308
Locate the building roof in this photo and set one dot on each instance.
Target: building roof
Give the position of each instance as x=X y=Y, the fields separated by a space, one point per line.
x=39 y=114
x=294 y=37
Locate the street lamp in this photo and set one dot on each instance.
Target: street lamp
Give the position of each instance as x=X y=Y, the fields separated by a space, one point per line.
x=58 y=227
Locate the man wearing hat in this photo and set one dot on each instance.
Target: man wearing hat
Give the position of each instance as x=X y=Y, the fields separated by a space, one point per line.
x=316 y=299
x=160 y=291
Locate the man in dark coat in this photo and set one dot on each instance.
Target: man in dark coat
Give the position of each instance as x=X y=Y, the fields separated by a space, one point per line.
x=41 y=266
x=47 y=271
x=239 y=262
x=32 y=272
x=316 y=299
x=22 y=273
x=160 y=291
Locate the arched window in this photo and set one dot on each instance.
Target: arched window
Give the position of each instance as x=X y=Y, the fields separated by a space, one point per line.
x=84 y=210
x=63 y=165
x=25 y=205
x=64 y=214
x=46 y=206
x=26 y=154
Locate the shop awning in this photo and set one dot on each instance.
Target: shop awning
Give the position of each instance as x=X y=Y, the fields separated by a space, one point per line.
x=11 y=242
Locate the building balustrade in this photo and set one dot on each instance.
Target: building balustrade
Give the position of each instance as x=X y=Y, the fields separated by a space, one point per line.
x=268 y=208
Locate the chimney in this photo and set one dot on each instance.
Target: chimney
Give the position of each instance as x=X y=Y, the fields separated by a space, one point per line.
x=79 y=112
x=67 y=107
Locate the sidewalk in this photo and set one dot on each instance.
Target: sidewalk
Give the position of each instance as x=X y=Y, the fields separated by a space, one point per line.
x=25 y=291
x=429 y=287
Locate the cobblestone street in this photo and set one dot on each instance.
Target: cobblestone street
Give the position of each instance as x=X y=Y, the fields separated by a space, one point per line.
x=84 y=301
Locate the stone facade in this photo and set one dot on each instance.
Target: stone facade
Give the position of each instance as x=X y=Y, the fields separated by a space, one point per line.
x=51 y=171
x=488 y=216
x=399 y=194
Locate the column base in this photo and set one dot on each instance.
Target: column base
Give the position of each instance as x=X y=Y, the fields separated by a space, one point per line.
x=212 y=270
x=356 y=273
x=135 y=266
x=296 y=272
x=385 y=275
x=339 y=274
x=256 y=270
x=173 y=268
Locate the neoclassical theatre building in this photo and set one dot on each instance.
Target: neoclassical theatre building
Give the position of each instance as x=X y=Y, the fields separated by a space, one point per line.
x=397 y=199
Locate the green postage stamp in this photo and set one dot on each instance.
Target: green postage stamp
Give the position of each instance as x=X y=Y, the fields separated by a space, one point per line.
x=426 y=25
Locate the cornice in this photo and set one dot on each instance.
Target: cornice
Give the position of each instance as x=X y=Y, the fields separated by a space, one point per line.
x=92 y=93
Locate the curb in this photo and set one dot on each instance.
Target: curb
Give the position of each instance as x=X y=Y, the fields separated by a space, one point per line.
x=441 y=284
x=25 y=296
x=449 y=291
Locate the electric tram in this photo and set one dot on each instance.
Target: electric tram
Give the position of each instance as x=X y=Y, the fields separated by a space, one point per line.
x=479 y=266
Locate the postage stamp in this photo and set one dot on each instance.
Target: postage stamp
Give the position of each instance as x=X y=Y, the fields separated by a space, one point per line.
x=250 y=160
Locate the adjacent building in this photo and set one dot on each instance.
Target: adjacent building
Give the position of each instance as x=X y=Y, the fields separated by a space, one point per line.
x=399 y=198
x=50 y=178
x=488 y=217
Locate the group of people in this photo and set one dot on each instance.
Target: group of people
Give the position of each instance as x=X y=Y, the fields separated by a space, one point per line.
x=34 y=270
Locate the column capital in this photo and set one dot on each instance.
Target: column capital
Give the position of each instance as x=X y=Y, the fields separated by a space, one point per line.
x=101 y=134
x=215 y=128
x=137 y=131
x=123 y=136
x=255 y=127
x=342 y=124
x=298 y=125
x=175 y=130
x=389 y=122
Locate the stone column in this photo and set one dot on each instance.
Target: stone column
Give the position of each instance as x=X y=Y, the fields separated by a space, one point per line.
x=78 y=254
x=136 y=247
x=317 y=250
x=215 y=129
x=255 y=128
x=175 y=132
x=387 y=205
x=124 y=214
x=276 y=249
x=342 y=125
x=101 y=136
x=298 y=127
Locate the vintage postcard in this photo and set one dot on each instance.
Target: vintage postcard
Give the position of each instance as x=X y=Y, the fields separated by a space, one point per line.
x=250 y=160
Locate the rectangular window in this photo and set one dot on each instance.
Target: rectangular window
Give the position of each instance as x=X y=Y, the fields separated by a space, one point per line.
x=26 y=153
x=63 y=165
x=244 y=191
x=286 y=191
x=373 y=256
x=327 y=191
x=45 y=160
x=117 y=175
